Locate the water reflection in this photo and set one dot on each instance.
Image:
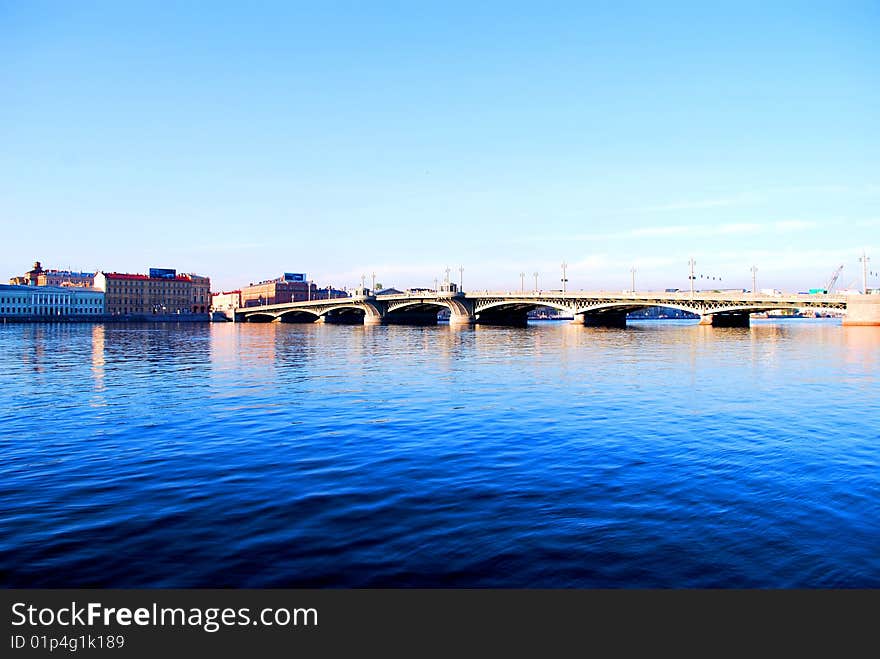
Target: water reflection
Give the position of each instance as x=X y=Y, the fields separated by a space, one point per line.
x=862 y=345
x=98 y=361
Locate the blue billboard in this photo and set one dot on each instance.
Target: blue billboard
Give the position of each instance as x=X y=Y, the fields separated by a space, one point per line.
x=294 y=276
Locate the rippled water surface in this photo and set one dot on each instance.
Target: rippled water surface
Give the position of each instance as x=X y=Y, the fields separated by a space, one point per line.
x=663 y=455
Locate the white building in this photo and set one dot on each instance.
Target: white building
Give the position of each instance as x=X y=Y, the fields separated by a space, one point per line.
x=225 y=301
x=46 y=302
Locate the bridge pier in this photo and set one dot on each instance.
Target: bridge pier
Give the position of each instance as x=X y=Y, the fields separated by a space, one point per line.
x=862 y=310
x=616 y=319
x=726 y=319
x=462 y=319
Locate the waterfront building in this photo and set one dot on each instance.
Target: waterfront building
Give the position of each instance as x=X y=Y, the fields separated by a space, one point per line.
x=289 y=287
x=201 y=293
x=38 y=276
x=46 y=302
x=332 y=293
x=225 y=301
x=162 y=291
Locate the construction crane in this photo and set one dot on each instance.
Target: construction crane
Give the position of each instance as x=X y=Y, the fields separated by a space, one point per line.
x=833 y=280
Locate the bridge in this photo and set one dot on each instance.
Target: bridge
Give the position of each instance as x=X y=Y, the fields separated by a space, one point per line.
x=592 y=308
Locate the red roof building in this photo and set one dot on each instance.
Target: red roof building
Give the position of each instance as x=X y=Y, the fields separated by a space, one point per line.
x=130 y=293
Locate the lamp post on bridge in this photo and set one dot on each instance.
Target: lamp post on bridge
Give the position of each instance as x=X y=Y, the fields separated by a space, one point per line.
x=460 y=278
x=564 y=278
x=374 y=283
x=522 y=282
x=692 y=263
x=535 y=275
x=633 y=273
x=754 y=271
x=863 y=259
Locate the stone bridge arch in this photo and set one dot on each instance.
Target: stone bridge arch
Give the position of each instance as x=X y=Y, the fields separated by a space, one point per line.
x=298 y=316
x=260 y=317
x=351 y=313
x=512 y=311
x=424 y=311
x=629 y=306
x=491 y=305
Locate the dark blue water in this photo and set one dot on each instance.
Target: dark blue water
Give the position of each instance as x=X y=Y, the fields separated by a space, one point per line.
x=663 y=455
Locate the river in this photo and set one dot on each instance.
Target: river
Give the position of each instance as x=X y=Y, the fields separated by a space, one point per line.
x=244 y=455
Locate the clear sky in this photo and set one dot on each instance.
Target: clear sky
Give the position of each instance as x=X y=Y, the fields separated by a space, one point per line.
x=244 y=139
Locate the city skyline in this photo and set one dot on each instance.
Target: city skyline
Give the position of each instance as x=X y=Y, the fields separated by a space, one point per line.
x=345 y=141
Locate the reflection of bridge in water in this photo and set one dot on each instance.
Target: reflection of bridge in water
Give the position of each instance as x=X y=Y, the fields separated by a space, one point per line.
x=595 y=308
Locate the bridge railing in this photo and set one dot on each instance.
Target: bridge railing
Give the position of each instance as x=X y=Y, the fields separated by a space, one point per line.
x=645 y=296
x=627 y=295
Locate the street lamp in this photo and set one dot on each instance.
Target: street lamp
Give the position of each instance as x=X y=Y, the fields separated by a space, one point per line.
x=633 y=272
x=754 y=271
x=564 y=278
x=522 y=282
x=535 y=275
x=460 y=278
x=863 y=259
x=692 y=263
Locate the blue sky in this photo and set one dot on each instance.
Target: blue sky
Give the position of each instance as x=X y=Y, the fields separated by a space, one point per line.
x=344 y=138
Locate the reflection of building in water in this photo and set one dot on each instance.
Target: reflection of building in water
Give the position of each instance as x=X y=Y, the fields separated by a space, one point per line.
x=259 y=344
x=862 y=345
x=36 y=337
x=98 y=356
x=49 y=301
